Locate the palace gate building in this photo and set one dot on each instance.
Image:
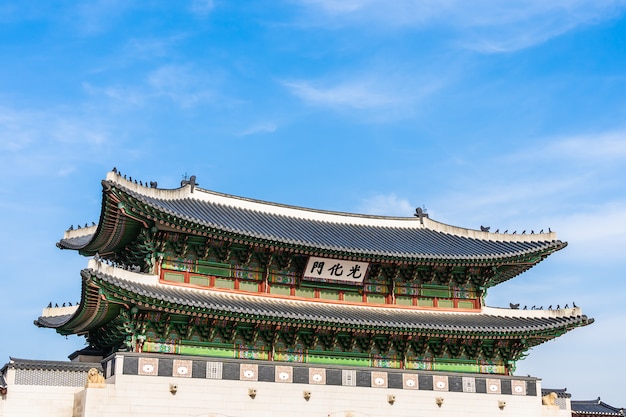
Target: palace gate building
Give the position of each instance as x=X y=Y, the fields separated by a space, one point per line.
x=196 y=303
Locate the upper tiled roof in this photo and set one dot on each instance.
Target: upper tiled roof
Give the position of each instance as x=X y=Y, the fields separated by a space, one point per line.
x=376 y=236
x=595 y=407
x=492 y=322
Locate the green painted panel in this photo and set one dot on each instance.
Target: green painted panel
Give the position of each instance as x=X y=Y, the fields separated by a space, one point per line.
x=425 y=302
x=404 y=301
x=305 y=292
x=435 y=291
x=199 y=280
x=376 y=298
x=218 y=270
x=280 y=290
x=334 y=360
x=207 y=351
x=354 y=297
x=466 y=304
x=329 y=295
x=456 y=367
x=224 y=283
x=174 y=276
x=249 y=286
x=446 y=303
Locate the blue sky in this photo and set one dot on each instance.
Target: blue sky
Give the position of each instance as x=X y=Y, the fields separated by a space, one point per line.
x=506 y=114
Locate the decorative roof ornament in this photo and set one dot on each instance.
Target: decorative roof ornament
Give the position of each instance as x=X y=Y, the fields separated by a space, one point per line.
x=420 y=214
x=191 y=181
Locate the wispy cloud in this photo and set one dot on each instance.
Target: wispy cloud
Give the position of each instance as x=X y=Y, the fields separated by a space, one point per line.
x=591 y=159
x=487 y=26
x=264 y=127
x=43 y=142
x=376 y=95
x=95 y=17
x=14 y=132
x=545 y=183
x=179 y=83
x=202 y=8
x=348 y=95
x=183 y=85
x=128 y=95
x=599 y=231
x=386 y=205
x=150 y=47
x=596 y=148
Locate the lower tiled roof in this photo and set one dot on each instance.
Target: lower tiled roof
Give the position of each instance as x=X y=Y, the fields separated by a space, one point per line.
x=262 y=307
x=37 y=364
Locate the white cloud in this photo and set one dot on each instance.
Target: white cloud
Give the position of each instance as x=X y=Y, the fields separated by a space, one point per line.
x=460 y=13
x=597 y=148
x=572 y=185
x=598 y=232
x=151 y=47
x=128 y=95
x=506 y=201
x=264 y=127
x=173 y=81
x=483 y=25
x=95 y=17
x=64 y=171
x=381 y=94
x=55 y=140
x=15 y=134
x=386 y=205
x=347 y=95
x=184 y=85
x=72 y=131
x=202 y=8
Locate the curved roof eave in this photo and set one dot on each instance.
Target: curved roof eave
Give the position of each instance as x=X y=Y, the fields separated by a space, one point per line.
x=92 y=310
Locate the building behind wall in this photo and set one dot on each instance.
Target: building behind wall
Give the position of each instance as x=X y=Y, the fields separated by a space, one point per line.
x=595 y=408
x=200 y=303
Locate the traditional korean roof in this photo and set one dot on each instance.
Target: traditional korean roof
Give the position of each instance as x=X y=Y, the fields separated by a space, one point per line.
x=594 y=407
x=37 y=364
x=560 y=392
x=107 y=289
x=128 y=207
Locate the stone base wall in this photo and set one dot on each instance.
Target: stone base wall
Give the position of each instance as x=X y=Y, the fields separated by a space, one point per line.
x=38 y=400
x=167 y=385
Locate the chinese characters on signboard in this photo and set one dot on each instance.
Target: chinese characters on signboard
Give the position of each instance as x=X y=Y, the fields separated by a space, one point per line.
x=328 y=269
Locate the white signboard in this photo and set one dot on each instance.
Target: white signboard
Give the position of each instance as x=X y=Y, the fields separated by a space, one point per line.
x=328 y=269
